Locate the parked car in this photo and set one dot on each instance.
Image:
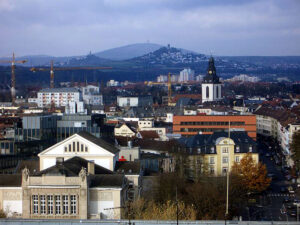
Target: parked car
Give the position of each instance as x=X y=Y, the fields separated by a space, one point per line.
x=293 y=213
x=286 y=199
x=291 y=190
x=290 y=206
x=288 y=177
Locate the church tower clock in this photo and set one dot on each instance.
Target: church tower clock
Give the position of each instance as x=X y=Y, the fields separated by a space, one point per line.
x=211 y=86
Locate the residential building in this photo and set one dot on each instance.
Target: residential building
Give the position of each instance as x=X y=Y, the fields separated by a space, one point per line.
x=216 y=153
x=125 y=130
x=91 y=95
x=139 y=101
x=58 y=96
x=186 y=75
x=211 y=85
x=207 y=124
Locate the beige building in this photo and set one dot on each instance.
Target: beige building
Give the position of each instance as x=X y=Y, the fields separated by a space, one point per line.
x=72 y=189
x=124 y=130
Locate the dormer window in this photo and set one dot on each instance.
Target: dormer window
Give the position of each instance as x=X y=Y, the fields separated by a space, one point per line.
x=237 y=148
x=250 y=148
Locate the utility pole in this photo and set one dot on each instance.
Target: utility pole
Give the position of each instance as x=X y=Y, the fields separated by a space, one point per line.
x=227 y=186
x=176 y=207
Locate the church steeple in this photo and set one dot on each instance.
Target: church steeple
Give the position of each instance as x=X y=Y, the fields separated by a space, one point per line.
x=211 y=75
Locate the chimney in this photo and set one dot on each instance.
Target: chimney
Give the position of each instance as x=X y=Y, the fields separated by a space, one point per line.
x=91 y=167
x=59 y=160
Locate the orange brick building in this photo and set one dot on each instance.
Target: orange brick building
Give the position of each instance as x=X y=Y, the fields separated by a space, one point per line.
x=207 y=124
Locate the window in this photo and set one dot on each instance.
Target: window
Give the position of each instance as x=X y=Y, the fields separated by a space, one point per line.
x=250 y=148
x=73 y=204
x=43 y=204
x=35 y=201
x=81 y=147
x=237 y=159
x=69 y=147
x=225 y=160
x=66 y=149
x=50 y=204
x=207 y=92
x=212 y=170
x=77 y=150
x=212 y=160
x=199 y=150
x=224 y=170
x=57 y=204
x=73 y=146
x=217 y=89
x=86 y=149
x=225 y=149
x=65 y=199
x=237 y=148
x=212 y=150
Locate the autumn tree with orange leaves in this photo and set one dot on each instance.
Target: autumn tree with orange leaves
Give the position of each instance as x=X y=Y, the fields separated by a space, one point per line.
x=253 y=175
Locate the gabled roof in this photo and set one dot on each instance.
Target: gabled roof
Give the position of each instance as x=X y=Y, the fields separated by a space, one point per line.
x=71 y=168
x=99 y=141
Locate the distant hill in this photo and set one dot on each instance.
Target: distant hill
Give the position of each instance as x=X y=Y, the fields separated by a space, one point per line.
x=128 y=51
x=170 y=56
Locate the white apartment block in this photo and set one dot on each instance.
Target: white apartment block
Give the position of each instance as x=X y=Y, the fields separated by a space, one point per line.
x=58 y=96
x=91 y=95
x=186 y=75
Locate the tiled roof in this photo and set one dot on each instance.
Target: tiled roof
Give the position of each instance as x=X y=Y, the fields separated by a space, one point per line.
x=148 y=134
x=107 y=180
x=10 y=180
x=128 y=167
x=204 y=143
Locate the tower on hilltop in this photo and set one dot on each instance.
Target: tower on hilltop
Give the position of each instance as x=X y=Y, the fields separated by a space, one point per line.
x=211 y=85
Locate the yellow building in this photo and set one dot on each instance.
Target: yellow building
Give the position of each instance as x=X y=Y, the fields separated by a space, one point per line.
x=217 y=152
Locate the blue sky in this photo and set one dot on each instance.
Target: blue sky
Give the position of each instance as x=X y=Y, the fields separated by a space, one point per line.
x=223 y=27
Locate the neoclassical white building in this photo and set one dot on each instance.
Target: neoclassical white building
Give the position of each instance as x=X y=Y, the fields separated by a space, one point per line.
x=211 y=86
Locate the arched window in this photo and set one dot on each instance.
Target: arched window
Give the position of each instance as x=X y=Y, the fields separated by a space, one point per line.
x=207 y=92
x=217 y=91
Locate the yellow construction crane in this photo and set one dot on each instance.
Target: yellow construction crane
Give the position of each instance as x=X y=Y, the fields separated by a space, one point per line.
x=52 y=69
x=13 y=75
x=169 y=85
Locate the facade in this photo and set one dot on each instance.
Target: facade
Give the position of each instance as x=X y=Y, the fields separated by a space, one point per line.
x=186 y=75
x=91 y=95
x=83 y=145
x=211 y=86
x=58 y=96
x=68 y=125
x=134 y=101
x=124 y=130
x=216 y=153
x=72 y=189
x=207 y=124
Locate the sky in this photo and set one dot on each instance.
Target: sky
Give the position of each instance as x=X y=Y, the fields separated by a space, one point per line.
x=218 y=27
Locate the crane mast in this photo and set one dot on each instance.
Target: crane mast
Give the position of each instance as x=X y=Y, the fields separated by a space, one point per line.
x=13 y=75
